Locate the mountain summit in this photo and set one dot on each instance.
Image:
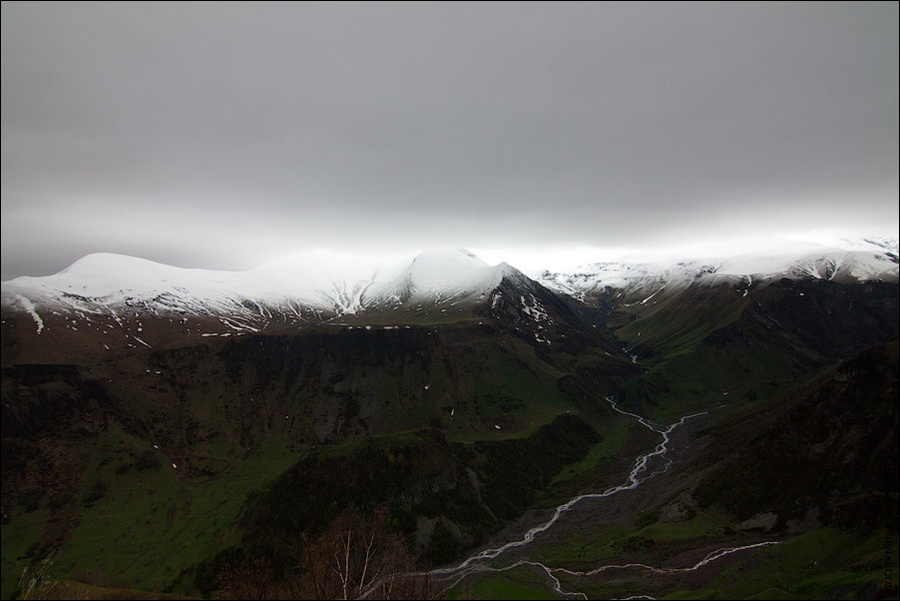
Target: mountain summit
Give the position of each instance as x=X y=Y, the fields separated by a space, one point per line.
x=439 y=276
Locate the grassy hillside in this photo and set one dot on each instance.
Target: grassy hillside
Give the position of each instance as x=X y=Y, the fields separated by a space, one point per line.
x=137 y=469
x=704 y=346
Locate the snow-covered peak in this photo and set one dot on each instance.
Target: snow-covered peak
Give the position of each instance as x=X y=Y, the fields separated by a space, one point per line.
x=318 y=280
x=438 y=269
x=438 y=275
x=106 y=274
x=113 y=277
x=115 y=285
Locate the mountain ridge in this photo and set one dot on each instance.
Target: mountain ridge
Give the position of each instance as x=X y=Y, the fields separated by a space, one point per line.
x=112 y=279
x=106 y=303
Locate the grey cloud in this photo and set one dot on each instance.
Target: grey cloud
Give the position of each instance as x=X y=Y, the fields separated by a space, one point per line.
x=215 y=132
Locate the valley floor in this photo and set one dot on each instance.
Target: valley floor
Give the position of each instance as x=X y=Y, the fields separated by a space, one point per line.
x=652 y=541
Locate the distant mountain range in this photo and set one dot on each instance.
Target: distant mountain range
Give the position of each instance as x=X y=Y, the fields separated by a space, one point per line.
x=127 y=302
x=858 y=261
x=305 y=289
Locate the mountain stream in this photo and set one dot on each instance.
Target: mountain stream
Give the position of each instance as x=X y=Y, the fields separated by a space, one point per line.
x=646 y=466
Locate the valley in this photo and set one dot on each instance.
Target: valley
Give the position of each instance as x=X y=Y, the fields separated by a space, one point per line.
x=716 y=435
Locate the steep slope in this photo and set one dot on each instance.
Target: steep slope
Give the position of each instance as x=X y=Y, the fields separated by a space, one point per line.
x=827 y=450
x=710 y=345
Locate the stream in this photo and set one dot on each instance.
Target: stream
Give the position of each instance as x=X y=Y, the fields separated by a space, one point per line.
x=641 y=471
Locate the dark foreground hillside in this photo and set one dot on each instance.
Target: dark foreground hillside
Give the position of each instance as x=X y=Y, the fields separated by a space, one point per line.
x=151 y=468
x=827 y=451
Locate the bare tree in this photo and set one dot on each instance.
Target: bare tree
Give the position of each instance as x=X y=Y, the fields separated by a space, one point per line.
x=359 y=558
x=35 y=583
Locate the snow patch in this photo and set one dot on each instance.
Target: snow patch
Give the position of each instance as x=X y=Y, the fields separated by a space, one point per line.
x=29 y=306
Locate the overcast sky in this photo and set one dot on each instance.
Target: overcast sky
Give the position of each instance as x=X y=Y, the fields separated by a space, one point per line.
x=220 y=135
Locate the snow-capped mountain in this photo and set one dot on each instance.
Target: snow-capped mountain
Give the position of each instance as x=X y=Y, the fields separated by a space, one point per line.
x=116 y=281
x=439 y=276
x=854 y=261
x=118 y=291
x=133 y=302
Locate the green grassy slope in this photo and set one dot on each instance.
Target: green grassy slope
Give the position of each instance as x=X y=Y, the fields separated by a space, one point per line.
x=152 y=457
x=703 y=346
